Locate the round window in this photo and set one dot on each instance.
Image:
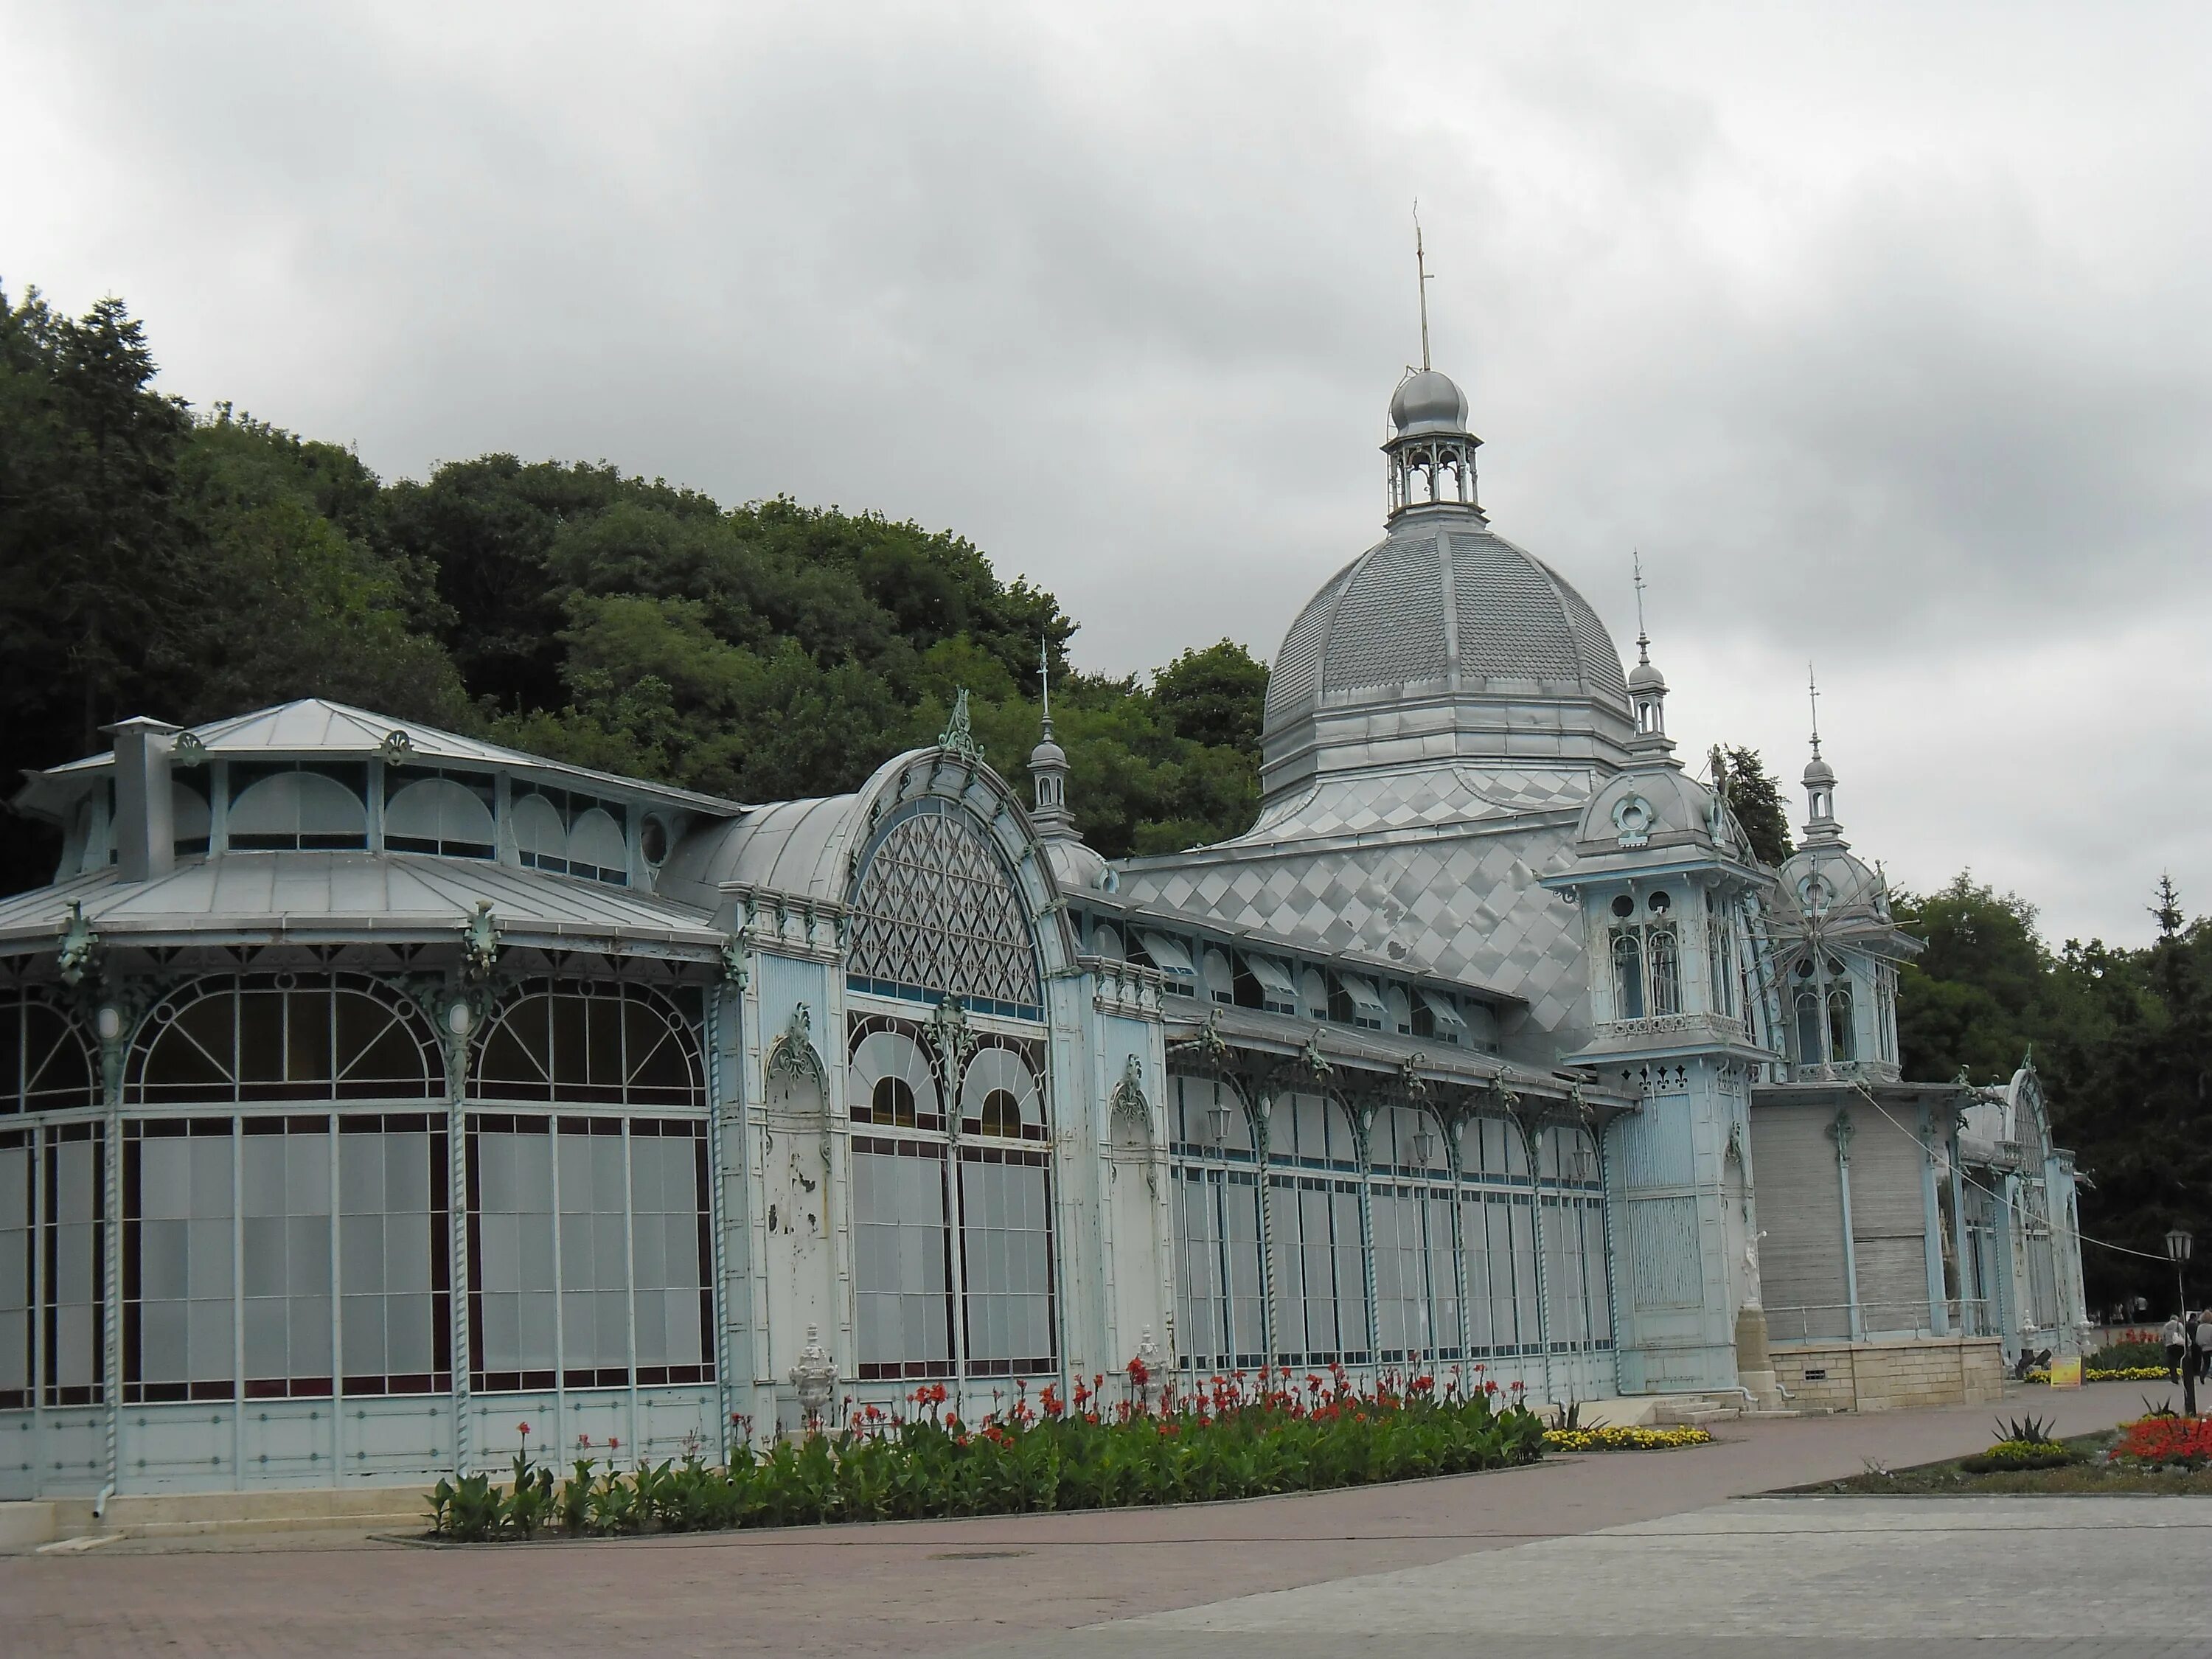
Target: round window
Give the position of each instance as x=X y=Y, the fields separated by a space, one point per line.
x=1659 y=903
x=653 y=840
x=1624 y=906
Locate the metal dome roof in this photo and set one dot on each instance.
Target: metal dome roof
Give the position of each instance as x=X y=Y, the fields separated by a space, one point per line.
x=1428 y=401
x=1447 y=616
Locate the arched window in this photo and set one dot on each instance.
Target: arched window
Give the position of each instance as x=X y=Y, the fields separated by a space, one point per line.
x=1627 y=973
x=588 y=1042
x=298 y=808
x=284 y=1036
x=1005 y=1217
x=569 y=834
x=46 y=1060
x=1841 y=1041
x=430 y=811
x=893 y=1082
x=1720 y=963
x=936 y=914
x=1666 y=968
x=1221 y=1300
x=1000 y=1095
x=1317 y=1260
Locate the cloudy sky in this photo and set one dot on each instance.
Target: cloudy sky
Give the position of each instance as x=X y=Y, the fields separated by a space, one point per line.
x=1884 y=332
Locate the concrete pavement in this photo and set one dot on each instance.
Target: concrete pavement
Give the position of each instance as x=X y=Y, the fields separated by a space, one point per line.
x=918 y=1587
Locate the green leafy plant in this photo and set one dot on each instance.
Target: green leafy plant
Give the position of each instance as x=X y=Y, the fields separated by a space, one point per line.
x=1227 y=1438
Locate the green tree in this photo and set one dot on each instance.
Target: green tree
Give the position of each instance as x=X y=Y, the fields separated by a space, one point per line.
x=1755 y=797
x=1214 y=696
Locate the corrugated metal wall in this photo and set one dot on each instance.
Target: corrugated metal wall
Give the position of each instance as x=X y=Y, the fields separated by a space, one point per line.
x=1801 y=1211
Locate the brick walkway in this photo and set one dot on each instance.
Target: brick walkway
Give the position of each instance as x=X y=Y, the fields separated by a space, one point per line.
x=913 y=1587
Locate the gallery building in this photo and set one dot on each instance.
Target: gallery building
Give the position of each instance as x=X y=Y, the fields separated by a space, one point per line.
x=367 y=1090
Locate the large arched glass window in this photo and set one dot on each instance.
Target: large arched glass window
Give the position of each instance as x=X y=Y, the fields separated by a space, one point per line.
x=903 y=1265
x=46 y=1060
x=589 y=1042
x=249 y=1037
x=1410 y=1212
x=936 y=914
x=1317 y=1259
x=1221 y=1299
x=1006 y=1215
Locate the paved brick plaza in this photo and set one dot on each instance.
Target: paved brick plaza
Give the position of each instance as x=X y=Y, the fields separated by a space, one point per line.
x=1013 y=1583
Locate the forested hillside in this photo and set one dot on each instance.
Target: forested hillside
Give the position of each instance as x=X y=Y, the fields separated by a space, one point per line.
x=162 y=561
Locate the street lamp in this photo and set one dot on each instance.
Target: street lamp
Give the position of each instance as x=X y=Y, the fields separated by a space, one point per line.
x=2178 y=1245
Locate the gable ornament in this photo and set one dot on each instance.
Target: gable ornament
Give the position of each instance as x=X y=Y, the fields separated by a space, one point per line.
x=793 y=1053
x=958 y=737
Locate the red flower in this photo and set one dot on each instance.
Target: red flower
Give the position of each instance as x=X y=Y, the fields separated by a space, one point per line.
x=613 y=1444
x=522 y=1428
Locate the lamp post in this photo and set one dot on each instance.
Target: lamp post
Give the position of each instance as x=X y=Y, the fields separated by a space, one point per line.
x=2178 y=1244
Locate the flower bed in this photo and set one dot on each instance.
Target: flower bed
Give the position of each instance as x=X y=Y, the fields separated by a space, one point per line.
x=1622 y=1437
x=2163 y=1442
x=2126 y=1374
x=1235 y=1437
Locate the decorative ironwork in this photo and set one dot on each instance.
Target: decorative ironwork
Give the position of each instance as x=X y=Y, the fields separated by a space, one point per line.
x=794 y=1055
x=936 y=914
x=958 y=737
x=188 y=750
x=397 y=749
x=79 y=956
x=480 y=944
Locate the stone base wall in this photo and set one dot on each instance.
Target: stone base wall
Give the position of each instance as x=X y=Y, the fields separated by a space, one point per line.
x=1893 y=1375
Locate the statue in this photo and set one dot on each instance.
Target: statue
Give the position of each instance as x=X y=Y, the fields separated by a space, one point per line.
x=1151 y=1380
x=815 y=1376
x=1751 y=1269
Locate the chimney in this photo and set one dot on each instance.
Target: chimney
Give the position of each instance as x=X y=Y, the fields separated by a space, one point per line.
x=144 y=831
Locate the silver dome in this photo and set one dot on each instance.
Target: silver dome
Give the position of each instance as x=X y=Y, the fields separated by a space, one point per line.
x=1428 y=401
x=1444 y=642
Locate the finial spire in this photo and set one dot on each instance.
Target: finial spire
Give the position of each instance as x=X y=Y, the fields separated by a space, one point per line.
x=1421 y=268
x=1642 y=638
x=1044 y=672
x=1812 y=694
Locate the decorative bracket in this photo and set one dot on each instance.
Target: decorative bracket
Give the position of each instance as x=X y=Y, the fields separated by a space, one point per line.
x=79 y=956
x=1316 y=1063
x=480 y=944
x=1209 y=1047
x=954 y=1038
x=793 y=1054
x=397 y=749
x=737 y=961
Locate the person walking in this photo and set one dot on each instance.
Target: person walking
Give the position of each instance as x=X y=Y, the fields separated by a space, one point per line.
x=2204 y=1355
x=2176 y=1339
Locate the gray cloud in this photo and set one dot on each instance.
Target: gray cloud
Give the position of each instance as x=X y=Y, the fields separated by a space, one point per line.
x=1881 y=332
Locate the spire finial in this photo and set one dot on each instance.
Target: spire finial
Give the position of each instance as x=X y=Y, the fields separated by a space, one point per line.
x=1642 y=638
x=1421 y=269
x=1812 y=694
x=1044 y=672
